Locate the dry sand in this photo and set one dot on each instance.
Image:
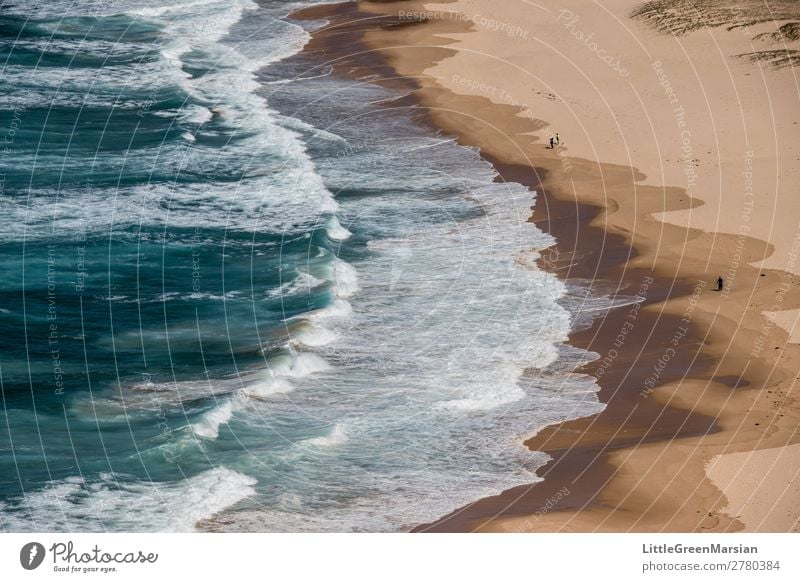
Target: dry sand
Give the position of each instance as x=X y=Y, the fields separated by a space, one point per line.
x=679 y=161
x=756 y=483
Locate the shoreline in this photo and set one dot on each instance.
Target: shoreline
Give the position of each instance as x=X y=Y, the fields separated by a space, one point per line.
x=640 y=465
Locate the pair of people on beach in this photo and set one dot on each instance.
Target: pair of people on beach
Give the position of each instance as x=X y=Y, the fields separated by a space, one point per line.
x=555 y=141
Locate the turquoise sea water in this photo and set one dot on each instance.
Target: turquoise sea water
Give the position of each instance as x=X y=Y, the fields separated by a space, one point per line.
x=238 y=289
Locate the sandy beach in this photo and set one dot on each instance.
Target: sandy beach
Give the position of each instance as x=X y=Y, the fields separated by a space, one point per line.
x=677 y=161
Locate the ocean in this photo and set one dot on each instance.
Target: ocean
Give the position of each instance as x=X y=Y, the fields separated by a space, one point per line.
x=243 y=293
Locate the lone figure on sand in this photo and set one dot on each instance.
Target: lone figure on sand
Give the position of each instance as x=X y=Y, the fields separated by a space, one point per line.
x=720 y=283
x=551 y=143
x=558 y=139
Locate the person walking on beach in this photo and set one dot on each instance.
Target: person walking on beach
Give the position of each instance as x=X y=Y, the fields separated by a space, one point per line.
x=558 y=139
x=720 y=283
x=551 y=143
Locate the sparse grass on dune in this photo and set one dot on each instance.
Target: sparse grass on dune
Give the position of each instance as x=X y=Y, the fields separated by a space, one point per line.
x=681 y=17
x=685 y=16
x=777 y=58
